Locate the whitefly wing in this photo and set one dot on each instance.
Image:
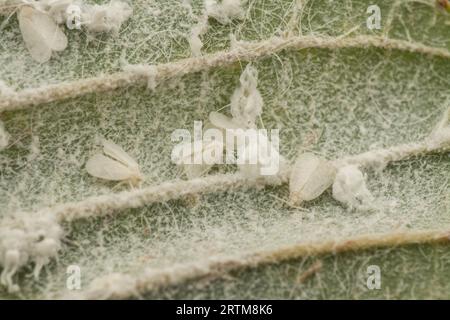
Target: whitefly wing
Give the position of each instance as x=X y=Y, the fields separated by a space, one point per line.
x=33 y=38
x=310 y=177
x=114 y=151
x=106 y=168
x=49 y=30
x=221 y=121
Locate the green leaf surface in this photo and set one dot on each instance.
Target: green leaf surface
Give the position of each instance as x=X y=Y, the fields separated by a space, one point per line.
x=331 y=101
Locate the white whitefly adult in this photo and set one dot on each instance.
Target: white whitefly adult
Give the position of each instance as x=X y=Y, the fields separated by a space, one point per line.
x=114 y=165
x=261 y=159
x=40 y=33
x=350 y=188
x=223 y=122
x=310 y=177
x=198 y=157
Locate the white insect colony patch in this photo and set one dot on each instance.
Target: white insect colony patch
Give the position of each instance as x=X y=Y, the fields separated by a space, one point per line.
x=199 y=157
x=250 y=149
x=26 y=238
x=39 y=22
x=245 y=105
x=15 y=249
x=245 y=145
x=114 y=165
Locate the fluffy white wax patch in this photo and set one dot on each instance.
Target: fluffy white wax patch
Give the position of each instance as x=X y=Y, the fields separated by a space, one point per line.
x=106 y=18
x=246 y=101
x=57 y=8
x=25 y=239
x=350 y=188
x=225 y=11
x=195 y=42
x=148 y=71
x=4 y=136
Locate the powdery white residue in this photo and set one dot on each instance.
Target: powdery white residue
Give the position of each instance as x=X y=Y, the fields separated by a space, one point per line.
x=148 y=71
x=113 y=286
x=24 y=239
x=350 y=188
x=195 y=43
x=106 y=18
x=57 y=9
x=225 y=11
x=246 y=101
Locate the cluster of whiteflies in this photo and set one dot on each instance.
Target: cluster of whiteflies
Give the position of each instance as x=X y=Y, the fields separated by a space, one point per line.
x=40 y=21
x=25 y=239
x=312 y=175
x=246 y=108
x=115 y=164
